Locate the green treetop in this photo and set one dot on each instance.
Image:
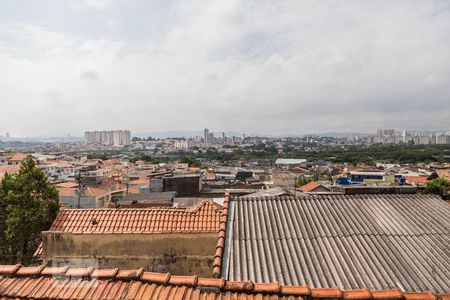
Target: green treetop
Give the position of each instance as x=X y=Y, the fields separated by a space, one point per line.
x=439 y=186
x=28 y=205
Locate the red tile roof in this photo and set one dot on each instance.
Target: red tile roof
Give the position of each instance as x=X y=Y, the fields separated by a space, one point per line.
x=68 y=184
x=18 y=157
x=60 y=164
x=203 y=217
x=17 y=282
x=134 y=190
x=310 y=186
x=66 y=191
x=217 y=266
x=416 y=179
x=10 y=168
x=93 y=192
x=138 y=182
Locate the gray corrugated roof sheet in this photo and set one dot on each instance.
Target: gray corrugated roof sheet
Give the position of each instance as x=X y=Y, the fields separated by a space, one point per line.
x=349 y=241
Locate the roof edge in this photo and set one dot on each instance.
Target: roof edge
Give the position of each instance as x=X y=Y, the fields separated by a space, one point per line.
x=219 y=284
x=217 y=266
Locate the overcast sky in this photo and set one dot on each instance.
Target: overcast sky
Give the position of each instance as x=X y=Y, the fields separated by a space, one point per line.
x=246 y=66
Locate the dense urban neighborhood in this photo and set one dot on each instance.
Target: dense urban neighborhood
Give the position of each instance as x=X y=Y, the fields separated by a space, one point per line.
x=225 y=218
x=225 y=150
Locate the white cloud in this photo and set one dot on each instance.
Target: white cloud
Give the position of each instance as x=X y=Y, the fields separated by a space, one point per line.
x=97 y=4
x=263 y=66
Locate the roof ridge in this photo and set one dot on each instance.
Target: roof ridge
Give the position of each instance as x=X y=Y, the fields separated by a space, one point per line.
x=202 y=218
x=202 y=203
x=219 y=284
x=217 y=266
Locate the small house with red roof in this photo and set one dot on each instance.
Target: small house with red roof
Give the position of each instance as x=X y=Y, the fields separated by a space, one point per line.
x=160 y=239
x=313 y=187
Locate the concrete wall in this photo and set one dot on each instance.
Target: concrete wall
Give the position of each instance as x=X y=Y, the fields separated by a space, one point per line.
x=181 y=254
x=72 y=201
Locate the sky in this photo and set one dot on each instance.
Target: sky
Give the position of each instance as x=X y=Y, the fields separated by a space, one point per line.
x=276 y=67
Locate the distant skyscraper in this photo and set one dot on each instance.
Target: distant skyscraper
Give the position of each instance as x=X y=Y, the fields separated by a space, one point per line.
x=206 y=136
x=116 y=137
x=7 y=135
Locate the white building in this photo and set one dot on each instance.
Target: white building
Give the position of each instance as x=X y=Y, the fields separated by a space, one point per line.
x=116 y=137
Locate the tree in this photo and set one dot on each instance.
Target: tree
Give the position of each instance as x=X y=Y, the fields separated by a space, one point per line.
x=303 y=180
x=439 y=186
x=28 y=205
x=191 y=161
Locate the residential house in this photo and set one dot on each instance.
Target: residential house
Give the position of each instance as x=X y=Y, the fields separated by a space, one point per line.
x=416 y=180
x=10 y=169
x=17 y=158
x=90 y=197
x=180 y=240
x=313 y=187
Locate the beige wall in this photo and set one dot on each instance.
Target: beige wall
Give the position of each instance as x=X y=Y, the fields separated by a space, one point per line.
x=181 y=254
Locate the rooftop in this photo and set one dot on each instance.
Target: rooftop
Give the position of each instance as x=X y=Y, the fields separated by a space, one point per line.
x=416 y=179
x=40 y=282
x=68 y=184
x=201 y=218
x=310 y=186
x=378 y=242
x=18 y=157
x=290 y=161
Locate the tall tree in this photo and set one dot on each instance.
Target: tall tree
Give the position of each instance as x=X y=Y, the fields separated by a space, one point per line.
x=439 y=186
x=28 y=205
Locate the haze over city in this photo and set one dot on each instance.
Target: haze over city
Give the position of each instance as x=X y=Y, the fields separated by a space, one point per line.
x=283 y=67
x=225 y=149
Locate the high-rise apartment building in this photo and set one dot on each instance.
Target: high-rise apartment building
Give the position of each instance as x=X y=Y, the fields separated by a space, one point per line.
x=206 y=135
x=108 y=138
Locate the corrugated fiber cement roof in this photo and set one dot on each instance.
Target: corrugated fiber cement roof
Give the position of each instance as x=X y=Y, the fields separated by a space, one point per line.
x=348 y=241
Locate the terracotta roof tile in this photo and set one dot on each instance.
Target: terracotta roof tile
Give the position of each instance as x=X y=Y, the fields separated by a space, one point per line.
x=272 y=288
x=10 y=168
x=211 y=282
x=79 y=272
x=217 y=267
x=419 y=296
x=136 y=284
x=387 y=294
x=52 y=271
x=326 y=293
x=357 y=294
x=183 y=280
x=204 y=217
x=416 y=179
x=129 y=274
x=18 y=157
x=27 y=271
x=9 y=269
x=310 y=186
x=68 y=184
x=155 y=277
x=105 y=273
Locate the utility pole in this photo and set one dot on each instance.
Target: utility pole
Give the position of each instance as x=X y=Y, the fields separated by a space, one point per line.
x=79 y=190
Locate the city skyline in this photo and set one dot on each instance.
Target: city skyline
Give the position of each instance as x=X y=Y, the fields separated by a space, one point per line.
x=255 y=66
x=219 y=133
